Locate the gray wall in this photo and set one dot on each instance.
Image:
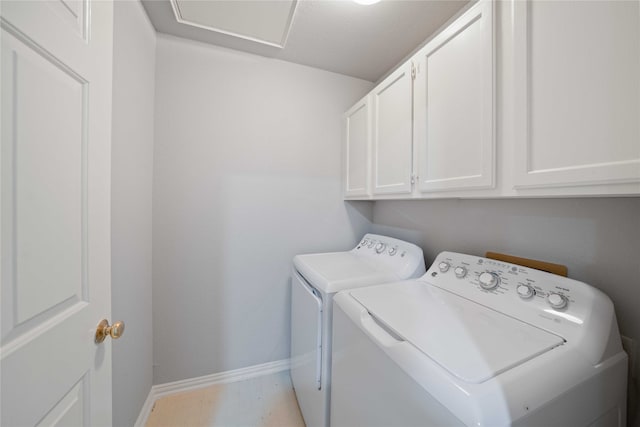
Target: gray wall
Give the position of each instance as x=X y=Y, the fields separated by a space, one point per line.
x=132 y=173
x=598 y=239
x=246 y=175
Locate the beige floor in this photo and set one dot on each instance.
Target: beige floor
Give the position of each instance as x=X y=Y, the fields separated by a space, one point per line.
x=267 y=401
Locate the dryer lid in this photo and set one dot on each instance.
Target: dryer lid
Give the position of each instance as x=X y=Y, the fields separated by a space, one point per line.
x=337 y=271
x=472 y=342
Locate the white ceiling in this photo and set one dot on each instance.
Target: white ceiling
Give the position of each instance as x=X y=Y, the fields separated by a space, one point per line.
x=334 y=35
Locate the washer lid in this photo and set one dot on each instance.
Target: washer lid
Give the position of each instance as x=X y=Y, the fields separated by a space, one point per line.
x=470 y=341
x=337 y=271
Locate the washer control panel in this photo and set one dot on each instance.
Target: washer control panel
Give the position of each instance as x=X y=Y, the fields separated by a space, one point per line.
x=404 y=258
x=547 y=300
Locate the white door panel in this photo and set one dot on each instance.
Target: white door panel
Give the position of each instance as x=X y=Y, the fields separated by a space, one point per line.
x=55 y=160
x=577 y=93
x=453 y=105
x=392 y=136
x=70 y=410
x=47 y=249
x=357 y=143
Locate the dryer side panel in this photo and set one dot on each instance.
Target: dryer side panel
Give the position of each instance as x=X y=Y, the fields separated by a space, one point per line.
x=306 y=349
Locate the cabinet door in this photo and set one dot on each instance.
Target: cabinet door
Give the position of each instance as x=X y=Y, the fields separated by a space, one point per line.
x=357 y=143
x=454 y=105
x=392 y=125
x=577 y=93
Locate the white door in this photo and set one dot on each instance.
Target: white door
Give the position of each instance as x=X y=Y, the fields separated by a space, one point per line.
x=357 y=145
x=453 y=105
x=392 y=133
x=577 y=93
x=55 y=168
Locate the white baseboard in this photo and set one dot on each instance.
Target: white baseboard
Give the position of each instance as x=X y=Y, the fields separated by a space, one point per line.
x=146 y=410
x=161 y=390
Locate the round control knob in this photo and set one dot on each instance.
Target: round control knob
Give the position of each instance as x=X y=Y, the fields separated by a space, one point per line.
x=444 y=266
x=557 y=300
x=525 y=291
x=393 y=250
x=488 y=280
x=460 y=272
x=380 y=247
x=371 y=243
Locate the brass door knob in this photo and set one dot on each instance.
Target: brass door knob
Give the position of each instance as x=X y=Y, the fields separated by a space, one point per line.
x=115 y=331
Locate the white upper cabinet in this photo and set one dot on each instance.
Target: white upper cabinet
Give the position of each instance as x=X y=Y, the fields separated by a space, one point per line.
x=357 y=148
x=392 y=133
x=454 y=107
x=577 y=95
x=514 y=98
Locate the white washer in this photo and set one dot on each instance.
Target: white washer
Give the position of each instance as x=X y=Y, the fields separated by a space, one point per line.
x=315 y=279
x=477 y=342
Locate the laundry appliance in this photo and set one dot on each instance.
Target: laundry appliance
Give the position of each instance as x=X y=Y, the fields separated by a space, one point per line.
x=477 y=342
x=315 y=279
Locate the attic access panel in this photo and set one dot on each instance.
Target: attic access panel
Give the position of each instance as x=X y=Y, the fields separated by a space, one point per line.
x=263 y=21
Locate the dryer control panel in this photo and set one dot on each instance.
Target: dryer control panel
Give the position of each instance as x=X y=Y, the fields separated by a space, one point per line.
x=554 y=303
x=403 y=258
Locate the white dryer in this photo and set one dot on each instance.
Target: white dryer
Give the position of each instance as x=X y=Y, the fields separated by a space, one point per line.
x=477 y=342
x=315 y=279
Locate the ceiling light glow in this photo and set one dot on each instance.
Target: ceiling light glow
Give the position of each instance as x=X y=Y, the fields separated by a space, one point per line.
x=366 y=2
